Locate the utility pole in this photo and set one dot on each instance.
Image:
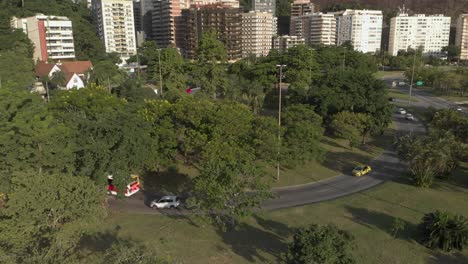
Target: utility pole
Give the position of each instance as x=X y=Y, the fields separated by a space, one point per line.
x=160 y=75
x=412 y=78
x=279 y=121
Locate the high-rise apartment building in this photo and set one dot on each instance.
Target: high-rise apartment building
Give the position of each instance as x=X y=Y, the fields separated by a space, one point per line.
x=167 y=27
x=116 y=26
x=299 y=8
x=431 y=33
x=142 y=11
x=268 y=6
x=319 y=28
x=363 y=28
x=258 y=29
x=223 y=19
x=461 y=39
x=52 y=36
x=283 y=43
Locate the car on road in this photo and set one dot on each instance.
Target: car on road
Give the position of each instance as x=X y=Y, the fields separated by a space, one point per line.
x=401 y=111
x=391 y=99
x=409 y=116
x=166 y=202
x=361 y=170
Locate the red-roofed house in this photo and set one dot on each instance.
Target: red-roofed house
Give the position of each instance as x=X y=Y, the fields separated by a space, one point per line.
x=75 y=72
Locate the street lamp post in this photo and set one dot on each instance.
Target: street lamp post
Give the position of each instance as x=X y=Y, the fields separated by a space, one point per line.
x=412 y=78
x=160 y=75
x=279 y=121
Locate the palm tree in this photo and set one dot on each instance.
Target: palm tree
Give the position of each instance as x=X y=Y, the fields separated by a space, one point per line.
x=445 y=231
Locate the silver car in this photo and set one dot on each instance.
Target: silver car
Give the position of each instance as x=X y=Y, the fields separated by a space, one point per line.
x=165 y=202
x=409 y=117
x=402 y=111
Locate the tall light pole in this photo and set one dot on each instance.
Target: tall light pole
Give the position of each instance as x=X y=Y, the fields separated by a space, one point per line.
x=412 y=78
x=279 y=121
x=160 y=75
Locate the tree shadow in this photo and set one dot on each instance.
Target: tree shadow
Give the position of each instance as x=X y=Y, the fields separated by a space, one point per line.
x=252 y=242
x=170 y=181
x=384 y=222
x=100 y=241
x=443 y=258
x=327 y=141
x=343 y=161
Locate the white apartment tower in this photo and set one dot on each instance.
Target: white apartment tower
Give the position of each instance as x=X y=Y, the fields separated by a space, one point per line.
x=363 y=28
x=116 y=26
x=258 y=29
x=461 y=39
x=52 y=36
x=431 y=33
x=319 y=29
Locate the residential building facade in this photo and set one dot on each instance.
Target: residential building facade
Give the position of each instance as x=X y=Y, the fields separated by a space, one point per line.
x=52 y=36
x=431 y=33
x=116 y=27
x=363 y=28
x=258 y=29
x=142 y=11
x=167 y=27
x=268 y=6
x=319 y=29
x=224 y=20
x=230 y=3
x=283 y=43
x=461 y=39
x=299 y=8
x=75 y=73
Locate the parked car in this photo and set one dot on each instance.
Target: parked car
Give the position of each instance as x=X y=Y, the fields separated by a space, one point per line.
x=402 y=111
x=361 y=170
x=165 y=202
x=392 y=99
x=409 y=116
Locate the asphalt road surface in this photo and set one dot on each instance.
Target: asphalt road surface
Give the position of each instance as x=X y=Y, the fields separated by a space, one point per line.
x=385 y=167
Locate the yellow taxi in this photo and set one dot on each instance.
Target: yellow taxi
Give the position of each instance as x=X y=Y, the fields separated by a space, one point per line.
x=361 y=170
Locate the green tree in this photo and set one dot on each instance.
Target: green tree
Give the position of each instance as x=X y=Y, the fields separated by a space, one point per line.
x=302 y=135
x=351 y=126
x=110 y=134
x=173 y=71
x=301 y=69
x=107 y=74
x=30 y=137
x=47 y=214
x=444 y=231
x=452 y=52
x=230 y=184
x=320 y=244
x=16 y=71
x=209 y=71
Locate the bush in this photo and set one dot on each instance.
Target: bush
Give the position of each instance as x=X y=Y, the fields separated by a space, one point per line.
x=444 y=231
x=320 y=244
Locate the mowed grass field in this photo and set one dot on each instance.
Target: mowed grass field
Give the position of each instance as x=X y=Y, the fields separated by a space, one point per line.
x=263 y=237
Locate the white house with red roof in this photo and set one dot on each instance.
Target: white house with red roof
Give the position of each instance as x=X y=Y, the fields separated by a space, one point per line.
x=76 y=73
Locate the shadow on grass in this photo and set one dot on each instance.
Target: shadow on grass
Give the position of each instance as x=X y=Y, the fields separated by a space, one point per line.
x=101 y=241
x=328 y=141
x=252 y=243
x=384 y=222
x=343 y=161
x=454 y=258
x=170 y=181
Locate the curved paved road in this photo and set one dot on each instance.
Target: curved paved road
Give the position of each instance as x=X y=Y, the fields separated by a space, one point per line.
x=385 y=167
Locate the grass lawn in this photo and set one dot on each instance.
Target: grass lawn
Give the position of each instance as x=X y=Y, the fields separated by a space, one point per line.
x=263 y=237
x=388 y=74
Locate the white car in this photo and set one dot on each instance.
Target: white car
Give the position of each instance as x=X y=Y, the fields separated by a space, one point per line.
x=166 y=202
x=409 y=117
x=402 y=111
